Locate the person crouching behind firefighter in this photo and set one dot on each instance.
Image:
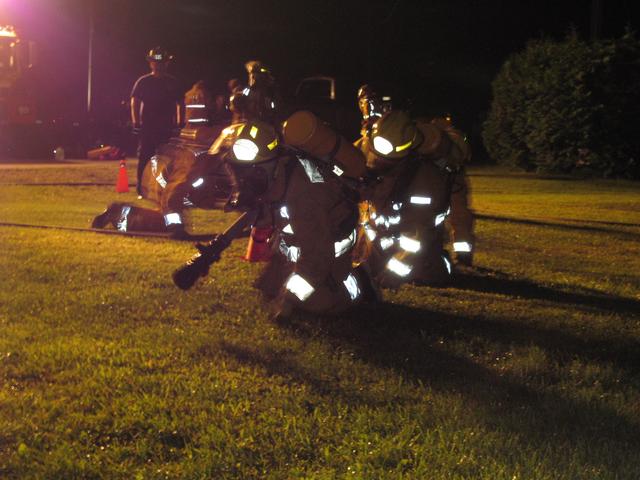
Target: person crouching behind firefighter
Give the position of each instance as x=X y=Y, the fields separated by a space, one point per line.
x=421 y=187
x=177 y=176
x=314 y=218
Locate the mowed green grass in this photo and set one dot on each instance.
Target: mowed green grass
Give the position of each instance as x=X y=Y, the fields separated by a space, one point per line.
x=527 y=368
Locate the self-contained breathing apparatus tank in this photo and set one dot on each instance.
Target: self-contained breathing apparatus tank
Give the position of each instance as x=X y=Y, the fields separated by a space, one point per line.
x=305 y=131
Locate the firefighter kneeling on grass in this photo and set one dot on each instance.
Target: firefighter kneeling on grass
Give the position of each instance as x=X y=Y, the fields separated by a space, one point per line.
x=421 y=185
x=299 y=190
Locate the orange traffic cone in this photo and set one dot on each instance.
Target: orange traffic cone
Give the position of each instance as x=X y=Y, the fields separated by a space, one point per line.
x=122 y=185
x=258 y=249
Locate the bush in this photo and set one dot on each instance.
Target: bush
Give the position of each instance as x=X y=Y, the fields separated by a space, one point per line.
x=568 y=106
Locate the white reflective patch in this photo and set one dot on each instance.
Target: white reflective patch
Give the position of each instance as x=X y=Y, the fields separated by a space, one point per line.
x=299 y=287
x=246 y=91
x=187 y=203
x=273 y=105
x=409 y=244
x=154 y=165
x=399 y=268
x=380 y=220
x=284 y=213
x=373 y=215
x=386 y=242
x=370 y=232
x=351 y=284
x=122 y=221
x=461 y=247
x=288 y=229
x=397 y=206
x=172 y=219
x=382 y=145
x=440 y=218
x=394 y=220
x=345 y=244
x=198 y=120
x=311 y=170
x=196 y=105
x=198 y=182
x=245 y=150
x=447 y=264
x=337 y=170
x=291 y=252
x=418 y=200
x=161 y=180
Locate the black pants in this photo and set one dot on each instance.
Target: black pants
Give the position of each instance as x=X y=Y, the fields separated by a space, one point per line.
x=149 y=141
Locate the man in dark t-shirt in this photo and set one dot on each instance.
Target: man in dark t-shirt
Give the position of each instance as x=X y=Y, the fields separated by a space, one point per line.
x=155 y=107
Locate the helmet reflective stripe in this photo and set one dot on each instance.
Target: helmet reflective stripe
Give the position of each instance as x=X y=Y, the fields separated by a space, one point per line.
x=337 y=170
x=461 y=247
x=198 y=120
x=196 y=105
x=311 y=170
x=405 y=146
x=245 y=150
x=122 y=221
x=386 y=242
x=290 y=251
x=397 y=206
x=345 y=244
x=447 y=264
x=371 y=233
x=351 y=284
x=161 y=180
x=419 y=200
x=198 y=182
x=273 y=144
x=409 y=244
x=299 y=287
x=440 y=218
x=284 y=213
x=172 y=219
x=399 y=268
x=382 y=145
x=288 y=229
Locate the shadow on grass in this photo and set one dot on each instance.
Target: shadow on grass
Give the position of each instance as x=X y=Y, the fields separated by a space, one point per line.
x=568 y=226
x=493 y=281
x=413 y=342
x=408 y=340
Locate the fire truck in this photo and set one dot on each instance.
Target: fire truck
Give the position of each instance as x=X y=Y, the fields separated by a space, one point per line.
x=18 y=115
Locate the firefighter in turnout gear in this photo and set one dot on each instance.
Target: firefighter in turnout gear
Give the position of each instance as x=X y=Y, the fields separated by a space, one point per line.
x=421 y=187
x=314 y=215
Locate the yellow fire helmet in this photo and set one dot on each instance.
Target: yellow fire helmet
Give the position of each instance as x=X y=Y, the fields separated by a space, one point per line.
x=394 y=135
x=256 y=141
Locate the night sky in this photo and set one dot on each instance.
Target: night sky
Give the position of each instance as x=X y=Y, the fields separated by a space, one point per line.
x=438 y=55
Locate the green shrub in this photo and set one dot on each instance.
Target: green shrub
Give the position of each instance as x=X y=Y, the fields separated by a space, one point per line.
x=568 y=106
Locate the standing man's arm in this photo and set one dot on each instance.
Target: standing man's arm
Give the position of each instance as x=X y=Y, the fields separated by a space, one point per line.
x=136 y=103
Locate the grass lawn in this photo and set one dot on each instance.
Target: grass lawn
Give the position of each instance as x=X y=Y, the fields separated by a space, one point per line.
x=527 y=368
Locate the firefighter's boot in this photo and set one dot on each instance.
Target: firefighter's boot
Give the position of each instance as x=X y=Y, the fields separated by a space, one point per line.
x=110 y=216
